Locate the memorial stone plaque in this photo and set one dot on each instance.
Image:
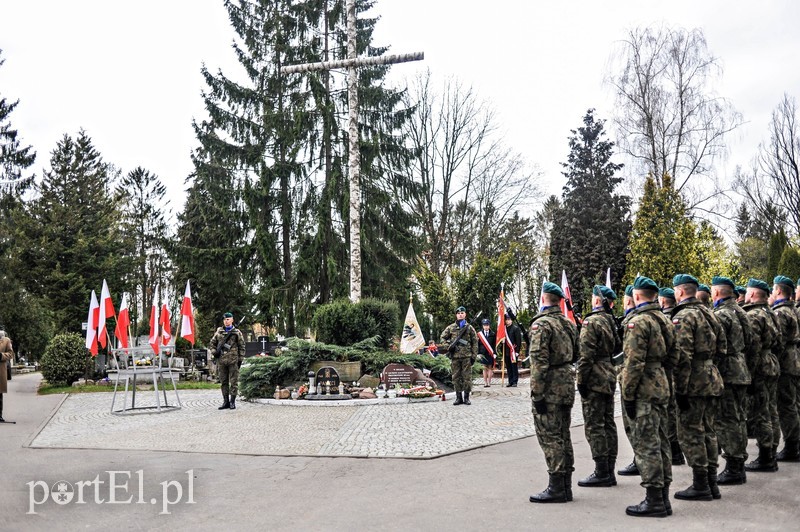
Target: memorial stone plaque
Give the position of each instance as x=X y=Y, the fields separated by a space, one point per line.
x=398 y=374
x=328 y=378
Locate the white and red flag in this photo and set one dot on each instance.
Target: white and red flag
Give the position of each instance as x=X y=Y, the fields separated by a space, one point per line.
x=566 y=303
x=502 y=336
x=155 y=339
x=608 y=278
x=123 y=322
x=106 y=311
x=187 y=316
x=166 y=331
x=91 y=325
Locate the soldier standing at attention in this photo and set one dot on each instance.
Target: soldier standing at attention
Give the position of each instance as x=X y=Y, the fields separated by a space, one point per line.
x=698 y=338
x=731 y=418
x=648 y=343
x=599 y=342
x=462 y=350
x=627 y=304
x=704 y=294
x=666 y=298
x=764 y=372
x=554 y=345
x=783 y=305
x=228 y=345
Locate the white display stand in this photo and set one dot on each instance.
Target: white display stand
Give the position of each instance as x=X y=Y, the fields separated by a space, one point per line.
x=128 y=369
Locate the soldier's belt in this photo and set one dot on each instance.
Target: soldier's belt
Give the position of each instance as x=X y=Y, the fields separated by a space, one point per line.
x=701 y=356
x=652 y=365
x=701 y=363
x=559 y=365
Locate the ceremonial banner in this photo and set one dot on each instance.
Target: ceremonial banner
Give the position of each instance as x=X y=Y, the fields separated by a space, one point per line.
x=411 y=340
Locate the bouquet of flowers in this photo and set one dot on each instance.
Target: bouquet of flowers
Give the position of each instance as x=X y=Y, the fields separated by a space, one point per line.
x=302 y=391
x=146 y=361
x=417 y=392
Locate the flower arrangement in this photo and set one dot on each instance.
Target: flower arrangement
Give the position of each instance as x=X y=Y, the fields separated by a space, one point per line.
x=418 y=392
x=146 y=361
x=302 y=391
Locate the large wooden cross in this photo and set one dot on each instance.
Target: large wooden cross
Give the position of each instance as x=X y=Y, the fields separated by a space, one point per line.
x=352 y=62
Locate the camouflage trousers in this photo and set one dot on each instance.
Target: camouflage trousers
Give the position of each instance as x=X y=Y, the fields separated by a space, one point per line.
x=229 y=372
x=787 y=407
x=651 y=449
x=696 y=433
x=672 y=418
x=764 y=413
x=730 y=422
x=599 y=425
x=552 y=432
x=461 y=369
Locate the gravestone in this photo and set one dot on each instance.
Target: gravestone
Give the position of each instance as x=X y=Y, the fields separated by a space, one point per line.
x=404 y=374
x=327 y=383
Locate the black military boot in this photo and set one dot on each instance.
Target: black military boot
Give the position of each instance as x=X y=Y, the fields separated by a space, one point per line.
x=459 y=400
x=733 y=473
x=630 y=471
x=764 y=462
x=775 y=456
x=677 y=453
x=466 y=399
x=712 y=483
x=699 y=490
x=226 y=404
x=600 y=478
x=665 y=496
x=568 y=485
x=612 y=465
x=554 y=492
x=651 y=506
x=233 y=402
x=790 y=452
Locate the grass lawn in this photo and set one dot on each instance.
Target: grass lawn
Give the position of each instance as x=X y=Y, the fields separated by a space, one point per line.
x=91 y=388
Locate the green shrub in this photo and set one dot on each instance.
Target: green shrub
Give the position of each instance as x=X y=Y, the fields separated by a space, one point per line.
x=65 y=359
x=345 y=323
x=260 y=375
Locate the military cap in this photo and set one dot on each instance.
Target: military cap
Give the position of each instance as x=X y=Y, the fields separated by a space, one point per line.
x=740 y=289
x=461 y=309
x=227 y=315
x=685 y=278
x=758 y=283
x=645 y=283
x=604 y=291
x=782 y=279
x=485 y=321
x=629 y=290
x=725 y=281
x=666 y=292
x=704 y=288
x=552 y=288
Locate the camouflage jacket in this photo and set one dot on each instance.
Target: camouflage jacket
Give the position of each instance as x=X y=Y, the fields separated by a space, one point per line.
x=764 y=337
x=732 y=366
x=788 y=336
x=467 y=345
x=599 y=342
x=623 y=325
x=234 y=353
x=698 y=338
x=554 y=343
x=648 y=345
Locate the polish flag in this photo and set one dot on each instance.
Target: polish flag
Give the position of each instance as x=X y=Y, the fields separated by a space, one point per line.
x=566 y=303
x=187 y=316
x=154 y=337
x=123 y=322
x=166 y=333
x=91 y=325
x=106 y=311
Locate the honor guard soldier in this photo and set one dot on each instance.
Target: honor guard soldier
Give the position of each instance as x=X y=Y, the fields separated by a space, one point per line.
x=461 y=343
x=788 y=335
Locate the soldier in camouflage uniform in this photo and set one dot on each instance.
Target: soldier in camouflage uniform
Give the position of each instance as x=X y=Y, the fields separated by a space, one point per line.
x=740 y=293
x=228 y=342
x=764 y=371
x=698 y=384
x=731 y=419
x=666 y=298
x=627 y=304
x=554 y=347
x=788 y=337
x=462 y=352
x=599 y=342
x=704 y=294
x=648 y=344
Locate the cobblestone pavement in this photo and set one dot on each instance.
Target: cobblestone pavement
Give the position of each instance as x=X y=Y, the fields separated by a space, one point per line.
x=421 y=430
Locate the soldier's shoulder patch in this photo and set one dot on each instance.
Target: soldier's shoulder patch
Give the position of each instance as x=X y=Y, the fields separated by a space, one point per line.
x=535 y=326
x=585 y=321
x=675 y=321
x=631 y=325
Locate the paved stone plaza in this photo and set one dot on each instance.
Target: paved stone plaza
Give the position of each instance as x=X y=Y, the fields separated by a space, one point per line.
x=416 y=430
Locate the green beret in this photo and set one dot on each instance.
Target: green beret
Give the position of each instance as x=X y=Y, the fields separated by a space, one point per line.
x=461 y=309
x=629 y=290
x=227 y=315
x=604 y=291
x=645 y=283
x=552 y=288
x=666 y=292
x=742 y=290
x=782 y=279
x=725 y=281
x=685 y=278
x=704 y=288
x=758 y=283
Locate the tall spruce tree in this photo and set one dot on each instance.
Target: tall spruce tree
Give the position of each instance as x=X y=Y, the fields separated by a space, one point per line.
x=590 y=230
x=73 y=238
x=790 y=263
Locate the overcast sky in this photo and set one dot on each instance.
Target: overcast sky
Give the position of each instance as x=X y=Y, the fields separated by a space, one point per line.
x=129 y=72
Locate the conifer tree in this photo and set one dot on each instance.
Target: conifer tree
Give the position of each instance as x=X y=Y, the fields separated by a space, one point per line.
x=777 y=243
x=790 y=263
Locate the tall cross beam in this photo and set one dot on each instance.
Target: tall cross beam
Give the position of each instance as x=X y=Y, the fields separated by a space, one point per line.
x=352 y=62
